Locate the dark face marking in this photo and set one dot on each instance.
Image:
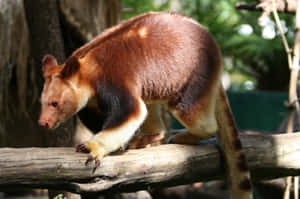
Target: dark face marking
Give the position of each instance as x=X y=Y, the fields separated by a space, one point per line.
x=246 y=185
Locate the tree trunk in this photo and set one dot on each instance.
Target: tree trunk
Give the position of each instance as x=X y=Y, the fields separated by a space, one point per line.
x=17 y=113
x=51 y=32
x=46 y=38
x=91 y=17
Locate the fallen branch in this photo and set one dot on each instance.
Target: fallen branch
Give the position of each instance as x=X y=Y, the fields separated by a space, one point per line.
x=166 y=165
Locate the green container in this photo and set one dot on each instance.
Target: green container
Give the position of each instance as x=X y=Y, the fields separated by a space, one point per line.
x=256 y=110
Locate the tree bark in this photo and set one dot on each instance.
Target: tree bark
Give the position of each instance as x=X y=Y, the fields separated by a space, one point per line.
x=91 y=17
x=269 y=157
x=16 y=78
x=20 y=61
x=46 y=38
x=286 y=6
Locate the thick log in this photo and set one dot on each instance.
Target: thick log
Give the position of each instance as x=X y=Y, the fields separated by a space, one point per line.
x=286 y=6
x=166 y=165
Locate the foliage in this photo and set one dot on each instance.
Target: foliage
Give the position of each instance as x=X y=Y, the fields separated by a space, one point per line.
x=261 y=60
x=142 y=6
x=60 y=196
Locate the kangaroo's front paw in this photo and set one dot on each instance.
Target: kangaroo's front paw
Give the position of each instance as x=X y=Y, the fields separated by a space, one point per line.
x=96 y=152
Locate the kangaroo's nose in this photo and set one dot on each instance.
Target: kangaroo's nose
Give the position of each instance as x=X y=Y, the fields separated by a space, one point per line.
x=44 y=123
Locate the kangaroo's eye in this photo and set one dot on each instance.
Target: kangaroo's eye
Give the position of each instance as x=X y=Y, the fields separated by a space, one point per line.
x=54 y=104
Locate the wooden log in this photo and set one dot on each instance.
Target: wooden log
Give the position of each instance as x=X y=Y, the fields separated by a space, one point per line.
x=166 y=165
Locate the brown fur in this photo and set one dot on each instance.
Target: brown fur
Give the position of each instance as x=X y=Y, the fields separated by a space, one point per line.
x=50 y=66
x=246 y=185
x=156 y=57
x=230 y=142
x=153 y=130
x=242 y=163
x=237 y=144
x=71 y=67
x=146 y=62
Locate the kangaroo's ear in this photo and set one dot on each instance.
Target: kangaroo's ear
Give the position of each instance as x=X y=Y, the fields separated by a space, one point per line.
x=71 y=67
x=49 y=62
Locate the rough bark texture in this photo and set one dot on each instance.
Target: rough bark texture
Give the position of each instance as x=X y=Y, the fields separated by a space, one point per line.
x=93 y=17
x=20 y=70
x=15 y=76
x=287 y=6
x=46 y=38
x=269 y=157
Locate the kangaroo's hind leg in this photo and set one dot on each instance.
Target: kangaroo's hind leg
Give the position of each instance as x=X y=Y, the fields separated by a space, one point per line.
x=196 y=111
x=152 y=131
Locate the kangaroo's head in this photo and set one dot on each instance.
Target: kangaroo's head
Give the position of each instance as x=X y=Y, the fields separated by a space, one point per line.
x=62 y=95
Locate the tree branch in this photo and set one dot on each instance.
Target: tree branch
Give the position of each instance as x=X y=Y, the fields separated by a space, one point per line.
x=286 y=6
x=166 y=165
